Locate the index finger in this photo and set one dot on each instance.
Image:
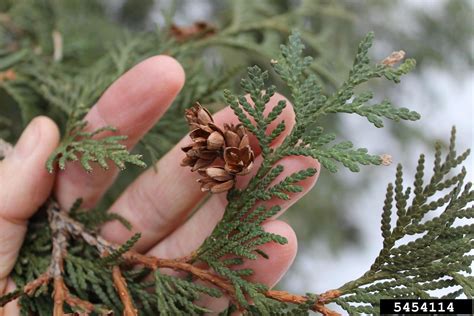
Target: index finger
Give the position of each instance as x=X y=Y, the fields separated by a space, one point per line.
x=132 y=105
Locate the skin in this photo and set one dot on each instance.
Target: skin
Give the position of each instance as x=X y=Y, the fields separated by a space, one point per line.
x=154 y=203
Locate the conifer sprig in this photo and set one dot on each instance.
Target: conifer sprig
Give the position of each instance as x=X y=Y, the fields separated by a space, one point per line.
x=439 y=254
x=310 y=103
x=86 y=147
x=176 y=296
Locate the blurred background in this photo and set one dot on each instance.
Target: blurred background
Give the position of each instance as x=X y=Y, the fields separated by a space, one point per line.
x=338 y=222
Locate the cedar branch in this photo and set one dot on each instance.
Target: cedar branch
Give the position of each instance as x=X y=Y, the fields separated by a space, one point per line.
x=104 y=247
x=59 y=296
x=31 y=287
x=75 y=301
x=286 y=297
x=62 y=295
x=59 y=235
x=122 y=290
x=206 y=275
x=181 y=264
x=62 y=225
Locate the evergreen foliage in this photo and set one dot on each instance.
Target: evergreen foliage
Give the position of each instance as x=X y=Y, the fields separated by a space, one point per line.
x=176 y=296
x=438 y=256
x=79 y=143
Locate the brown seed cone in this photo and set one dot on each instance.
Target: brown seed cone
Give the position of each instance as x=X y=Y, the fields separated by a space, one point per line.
x=216 y=180
x=238 y=161
x=209 y=135
x=235 y=136
x=202 y=152
x=198 y=116
x=208 y=139
x=238 y=154
x=210 y=143
x=198 y=157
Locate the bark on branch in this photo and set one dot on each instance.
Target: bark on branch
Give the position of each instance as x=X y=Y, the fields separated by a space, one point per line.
x=122 y=289
x=63 y=226
x=208 y=276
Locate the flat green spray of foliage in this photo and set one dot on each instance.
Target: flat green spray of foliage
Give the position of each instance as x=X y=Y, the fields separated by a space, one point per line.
x=437 y=257
x=439 y=253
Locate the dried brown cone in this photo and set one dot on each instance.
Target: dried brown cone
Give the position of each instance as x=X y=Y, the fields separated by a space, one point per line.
x=238 y=161
x=232 y=146
x=235 y=136
x=198 y=116
x=238 y=155
x=198 y=157
x=208 y=139
x=216 y=180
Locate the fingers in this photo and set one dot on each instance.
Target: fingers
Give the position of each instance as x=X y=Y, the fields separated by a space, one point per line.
x=25 y=185
x=132 y=104
x=189 y=236
x=156 y=203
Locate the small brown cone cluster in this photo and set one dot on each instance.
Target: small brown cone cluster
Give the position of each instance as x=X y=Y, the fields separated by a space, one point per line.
x=218 y=155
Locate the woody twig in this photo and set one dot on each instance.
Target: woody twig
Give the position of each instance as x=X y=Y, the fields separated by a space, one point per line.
x=63 y=226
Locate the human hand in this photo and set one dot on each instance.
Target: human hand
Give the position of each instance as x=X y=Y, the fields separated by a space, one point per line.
x=156 y=204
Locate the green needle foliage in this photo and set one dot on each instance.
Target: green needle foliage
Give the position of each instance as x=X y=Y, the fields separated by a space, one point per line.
x=439 y=253
x=425 y=248
x=79 y=145
x=176 y=296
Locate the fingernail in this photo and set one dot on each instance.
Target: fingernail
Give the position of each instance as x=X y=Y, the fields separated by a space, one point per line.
x=28 y=140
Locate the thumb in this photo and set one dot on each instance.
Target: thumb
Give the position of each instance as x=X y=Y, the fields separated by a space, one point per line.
x=24 y=186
